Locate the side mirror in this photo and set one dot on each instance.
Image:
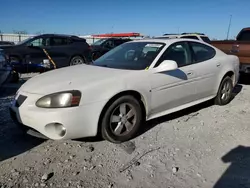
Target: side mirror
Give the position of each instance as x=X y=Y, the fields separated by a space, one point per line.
x=166 y=65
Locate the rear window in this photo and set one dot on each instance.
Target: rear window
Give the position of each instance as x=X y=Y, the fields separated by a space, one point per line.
x=202 y=52
x=190 y=37
x=206 y=39
x=244 y=36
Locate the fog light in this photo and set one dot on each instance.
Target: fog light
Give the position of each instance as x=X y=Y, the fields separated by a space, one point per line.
x=60 y=129
x=55 y=130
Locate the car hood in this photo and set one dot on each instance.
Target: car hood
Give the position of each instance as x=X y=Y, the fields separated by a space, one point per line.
x=7 y=46
x=70 y=78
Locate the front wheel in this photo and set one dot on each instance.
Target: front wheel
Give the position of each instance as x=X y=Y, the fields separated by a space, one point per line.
x=121 y=120
x=76 y=60
x=224 y=94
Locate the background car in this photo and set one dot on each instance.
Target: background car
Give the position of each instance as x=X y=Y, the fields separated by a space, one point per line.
x=136 y=81
x=65 y=50
x=239 y=47
x=195 y=36
x=5 y=69
x=6 y=43
x=104 y=45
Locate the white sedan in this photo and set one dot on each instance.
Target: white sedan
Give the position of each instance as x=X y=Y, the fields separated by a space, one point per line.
x=136 y=81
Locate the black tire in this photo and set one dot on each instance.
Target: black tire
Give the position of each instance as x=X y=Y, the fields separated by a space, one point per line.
x=107 y=128
x=219 y=99
x=76 y=60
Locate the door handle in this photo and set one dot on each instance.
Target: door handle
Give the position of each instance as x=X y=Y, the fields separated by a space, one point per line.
x=190 y=73
x=218 y=65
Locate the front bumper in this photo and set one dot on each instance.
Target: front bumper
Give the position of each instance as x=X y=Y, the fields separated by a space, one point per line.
x=79 y=122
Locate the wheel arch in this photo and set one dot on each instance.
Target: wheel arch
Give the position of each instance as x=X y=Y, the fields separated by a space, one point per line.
x=136 y=94
x=230 y=74
x=75 y=55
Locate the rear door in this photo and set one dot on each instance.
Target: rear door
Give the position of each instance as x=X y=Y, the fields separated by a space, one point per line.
x=59 y=50
x=207 y=68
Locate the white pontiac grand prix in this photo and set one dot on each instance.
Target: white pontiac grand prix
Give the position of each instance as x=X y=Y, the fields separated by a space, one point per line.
x=136 y=81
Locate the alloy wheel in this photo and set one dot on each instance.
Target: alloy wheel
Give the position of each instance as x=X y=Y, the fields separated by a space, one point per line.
x=123 y=119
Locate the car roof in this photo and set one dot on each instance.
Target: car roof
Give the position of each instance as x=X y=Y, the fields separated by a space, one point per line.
x=166 y=40
x=181 y=35
x=169 y=41
x=57 y=35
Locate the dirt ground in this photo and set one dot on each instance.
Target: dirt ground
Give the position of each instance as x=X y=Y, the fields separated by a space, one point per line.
x=203 y=146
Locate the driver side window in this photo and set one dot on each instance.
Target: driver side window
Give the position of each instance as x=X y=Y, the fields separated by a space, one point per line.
x=39 y=42
x=178 y=52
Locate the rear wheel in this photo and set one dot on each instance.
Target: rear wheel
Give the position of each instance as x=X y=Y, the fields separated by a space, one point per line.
x=224 y=94
x=121 y=120
x=77 y=60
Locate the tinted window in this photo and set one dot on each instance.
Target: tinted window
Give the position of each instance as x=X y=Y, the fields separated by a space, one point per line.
x=39 y=42
x=132 y=56
x=58 y=41
x=206 y=39
x=109 y=44
x=119 y=42
x=190 y=37
x=178 y=52
x=244 y=36
x=202 y=52
x=99 y=42
x=36 y=42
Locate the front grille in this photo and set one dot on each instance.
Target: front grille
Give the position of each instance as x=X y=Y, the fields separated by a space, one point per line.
x=20 y=100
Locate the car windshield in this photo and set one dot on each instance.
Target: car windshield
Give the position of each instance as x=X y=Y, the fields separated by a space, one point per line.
x=99 y=42
x=132 y=56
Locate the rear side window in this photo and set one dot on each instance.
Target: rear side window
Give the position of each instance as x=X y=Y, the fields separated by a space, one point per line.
x=201 y=52
x=206 y=39
x=190 y=37
x=58 y=41
x=244 y=36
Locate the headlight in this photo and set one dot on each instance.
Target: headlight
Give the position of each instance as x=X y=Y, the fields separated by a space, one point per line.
x=60 y=100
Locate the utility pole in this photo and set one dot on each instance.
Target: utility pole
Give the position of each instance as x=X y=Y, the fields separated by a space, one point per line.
x=229 y=26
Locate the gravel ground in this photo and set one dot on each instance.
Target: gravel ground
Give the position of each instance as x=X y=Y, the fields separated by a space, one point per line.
x=203 y=146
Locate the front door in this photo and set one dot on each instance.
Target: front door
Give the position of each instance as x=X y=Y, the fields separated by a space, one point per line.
x=34 y=55
x=207 y=69
x=171 y=89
